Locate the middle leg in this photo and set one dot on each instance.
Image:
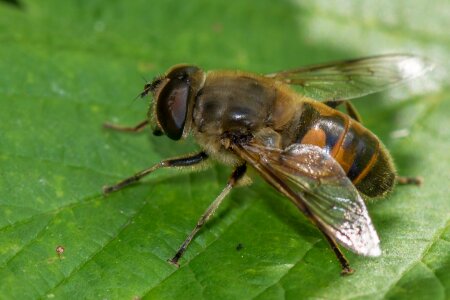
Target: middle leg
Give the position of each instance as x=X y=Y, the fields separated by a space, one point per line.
x=237 y=174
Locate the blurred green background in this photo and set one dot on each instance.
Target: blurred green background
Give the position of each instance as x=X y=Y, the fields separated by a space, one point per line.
x=68 y=66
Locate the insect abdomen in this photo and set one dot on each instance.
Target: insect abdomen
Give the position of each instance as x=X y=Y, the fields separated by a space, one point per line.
x=358 y=151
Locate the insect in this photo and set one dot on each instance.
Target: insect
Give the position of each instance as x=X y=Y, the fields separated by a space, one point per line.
x=324 y=160
x=59 y=251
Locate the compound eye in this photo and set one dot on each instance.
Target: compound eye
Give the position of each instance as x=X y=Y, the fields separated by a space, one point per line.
x=172 y=106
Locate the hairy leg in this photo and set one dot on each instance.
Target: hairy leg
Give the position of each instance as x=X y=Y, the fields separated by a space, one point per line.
x=168 y=163
x=237 y=174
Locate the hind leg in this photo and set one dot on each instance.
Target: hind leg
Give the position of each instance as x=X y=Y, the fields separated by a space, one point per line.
x=351 y=110
x=417 y=180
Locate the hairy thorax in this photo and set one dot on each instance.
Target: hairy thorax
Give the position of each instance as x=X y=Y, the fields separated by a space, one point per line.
x=239 y=104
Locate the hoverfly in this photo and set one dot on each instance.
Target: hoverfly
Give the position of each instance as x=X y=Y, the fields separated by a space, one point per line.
x=325 y=161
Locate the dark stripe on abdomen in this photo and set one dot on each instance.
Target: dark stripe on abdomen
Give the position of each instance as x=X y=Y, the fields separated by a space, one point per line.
x=367 y=164
x=323 y=131
x=363 y=149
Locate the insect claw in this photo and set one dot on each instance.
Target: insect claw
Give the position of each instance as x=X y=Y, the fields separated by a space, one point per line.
x=107 y=189
x=173 y=261
x=108 y=125
x=347 y=271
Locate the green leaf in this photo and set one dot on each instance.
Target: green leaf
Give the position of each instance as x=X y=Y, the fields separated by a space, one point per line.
x=68 y=66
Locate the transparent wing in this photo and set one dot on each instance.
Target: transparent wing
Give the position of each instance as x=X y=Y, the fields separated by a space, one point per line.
x=355 y=78
x=314 y=180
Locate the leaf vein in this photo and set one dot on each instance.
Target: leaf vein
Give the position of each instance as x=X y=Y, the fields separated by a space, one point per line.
x=93 y=255
x=436 y=237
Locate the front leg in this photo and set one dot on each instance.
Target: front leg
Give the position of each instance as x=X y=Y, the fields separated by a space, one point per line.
x=168 y=163
x=137 y=128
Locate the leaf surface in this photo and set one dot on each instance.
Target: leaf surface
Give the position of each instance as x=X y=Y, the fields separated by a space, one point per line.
x=69 y=66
